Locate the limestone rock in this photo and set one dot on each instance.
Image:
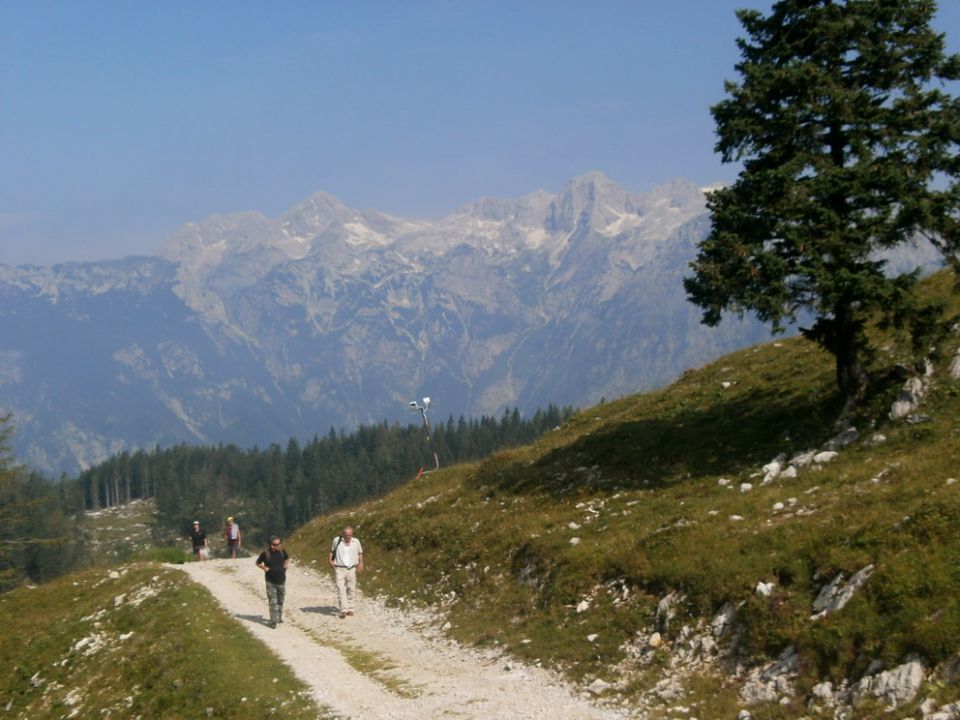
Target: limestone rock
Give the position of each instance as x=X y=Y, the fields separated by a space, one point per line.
x=955 y=366
x=824 y=457
x=772 y=682
x=723 y=620
x=803 y=459
x=765 y=589
x=838 y=593
x=666 y=611
x=895 y=687
x=908 y=399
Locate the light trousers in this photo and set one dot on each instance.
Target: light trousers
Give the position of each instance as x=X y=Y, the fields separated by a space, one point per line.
x=346 y=587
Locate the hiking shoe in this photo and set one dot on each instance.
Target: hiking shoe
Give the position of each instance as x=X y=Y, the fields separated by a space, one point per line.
x=272 y=624
x=341 y=614
x=349 y=612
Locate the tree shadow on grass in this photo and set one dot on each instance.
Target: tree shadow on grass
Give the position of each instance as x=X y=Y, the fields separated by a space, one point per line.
x=722 y=438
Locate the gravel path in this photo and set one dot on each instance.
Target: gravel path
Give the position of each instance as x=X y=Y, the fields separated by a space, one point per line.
x=408 y=675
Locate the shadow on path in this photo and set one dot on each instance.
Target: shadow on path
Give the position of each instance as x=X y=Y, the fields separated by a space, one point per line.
x=321 y=610
x=258 y=619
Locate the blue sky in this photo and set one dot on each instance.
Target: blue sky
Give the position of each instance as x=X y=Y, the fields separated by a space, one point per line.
x=121 y=121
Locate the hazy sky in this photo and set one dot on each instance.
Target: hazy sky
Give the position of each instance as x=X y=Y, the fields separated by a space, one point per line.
x=120 y=121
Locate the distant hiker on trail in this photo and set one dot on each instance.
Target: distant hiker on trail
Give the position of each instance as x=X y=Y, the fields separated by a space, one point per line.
x=199 y=539
x=274 y=561
x=346 y=559
x=232 y=533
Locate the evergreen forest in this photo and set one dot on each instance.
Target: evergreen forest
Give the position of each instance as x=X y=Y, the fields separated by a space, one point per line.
x=269 y=491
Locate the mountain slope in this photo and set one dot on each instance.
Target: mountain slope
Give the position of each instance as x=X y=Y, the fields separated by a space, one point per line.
x=252 y=330
x=673 y=547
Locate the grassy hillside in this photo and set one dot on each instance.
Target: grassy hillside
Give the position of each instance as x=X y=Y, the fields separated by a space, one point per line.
x=136 y=641
x=559 y=552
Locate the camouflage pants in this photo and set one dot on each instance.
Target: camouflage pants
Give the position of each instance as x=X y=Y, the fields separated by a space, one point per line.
x=275 y=595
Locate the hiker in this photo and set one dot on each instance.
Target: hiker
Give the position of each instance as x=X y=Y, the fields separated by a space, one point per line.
x=199 y=539
x=274 y=561
x=346 y=559
x=232 y=533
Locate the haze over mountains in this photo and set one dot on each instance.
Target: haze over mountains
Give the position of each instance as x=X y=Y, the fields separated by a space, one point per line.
x=251 y=330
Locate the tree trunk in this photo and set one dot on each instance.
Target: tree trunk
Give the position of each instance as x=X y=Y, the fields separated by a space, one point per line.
x=848 y=341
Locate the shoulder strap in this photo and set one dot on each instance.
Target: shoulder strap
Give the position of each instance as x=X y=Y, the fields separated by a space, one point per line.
x=335 y=546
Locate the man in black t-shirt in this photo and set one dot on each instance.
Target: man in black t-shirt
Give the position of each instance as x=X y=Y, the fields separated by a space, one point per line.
x=199 y=539
x=274 y=562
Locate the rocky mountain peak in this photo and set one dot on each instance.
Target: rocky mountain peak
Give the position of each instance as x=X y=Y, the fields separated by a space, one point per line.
x=317 y=213
x=592 y=198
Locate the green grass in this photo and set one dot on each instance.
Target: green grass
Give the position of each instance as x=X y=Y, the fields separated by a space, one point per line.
x=137 y=641
x=490 y=542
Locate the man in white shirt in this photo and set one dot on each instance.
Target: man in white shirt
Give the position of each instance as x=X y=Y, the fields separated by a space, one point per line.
x=346 y=559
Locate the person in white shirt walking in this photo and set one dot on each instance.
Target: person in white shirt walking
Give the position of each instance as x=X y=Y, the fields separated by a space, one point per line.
x=346 y=559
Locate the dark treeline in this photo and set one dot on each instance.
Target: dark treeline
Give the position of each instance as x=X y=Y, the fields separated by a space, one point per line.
x=276 y=489
x=39 y=538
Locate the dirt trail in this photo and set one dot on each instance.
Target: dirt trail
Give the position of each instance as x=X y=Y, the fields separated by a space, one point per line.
x=428 y=678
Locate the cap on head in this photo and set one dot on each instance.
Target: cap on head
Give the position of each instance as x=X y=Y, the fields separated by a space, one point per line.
x=196 y=522
x=229 y=519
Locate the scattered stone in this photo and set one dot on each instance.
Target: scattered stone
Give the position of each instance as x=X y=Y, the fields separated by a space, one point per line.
x=951 y=481
x=877 y=439
x=947 y=712
x=592 y=636
x=824 y=457
x=573 y=526
x=803 y=459
x=837 y=593
x=583 y=606
x=666 y=611
x=955 y=366
x=744 y=715
x=598 y=686
x=789 y=473
x=745 y=487
x=765 y=589
x=918 y=419
x=723 y=482
x=772 y=682
x=655 y=640
x=823 y=692
x=773 y=468
x=908 y=399
x=725 y=384
x=777 y=507
x=669 y=689
x=736 y=518
x=723 y=620
x=847 y=437
x=574 y=541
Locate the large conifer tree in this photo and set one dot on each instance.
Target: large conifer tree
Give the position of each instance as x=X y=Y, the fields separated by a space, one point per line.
x=849 y=141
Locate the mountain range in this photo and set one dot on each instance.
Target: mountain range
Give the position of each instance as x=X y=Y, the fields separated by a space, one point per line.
x=252 y=330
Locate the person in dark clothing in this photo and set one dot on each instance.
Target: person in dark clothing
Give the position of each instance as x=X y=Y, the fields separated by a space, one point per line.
x=274 y=562
x=199 y=539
